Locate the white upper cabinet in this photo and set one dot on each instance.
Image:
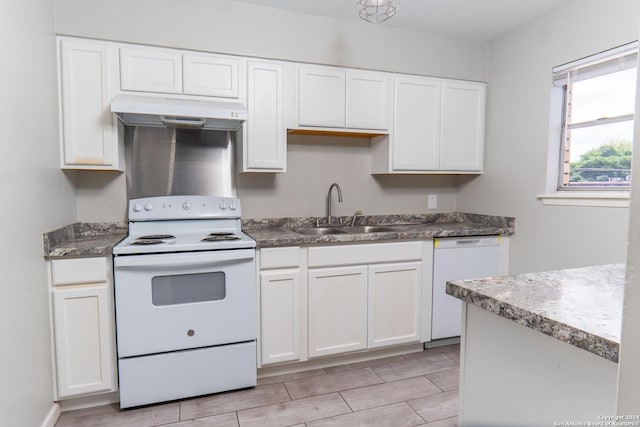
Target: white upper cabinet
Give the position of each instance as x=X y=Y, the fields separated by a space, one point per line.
x=211 y=75
x=321 y=96
x=330 y=97
x=463 y=113
x=89 y=138
x=438 y=127
x=178 y=72
x=150 y=70
x=416 y=130
x=368 y=100
x=264 y=147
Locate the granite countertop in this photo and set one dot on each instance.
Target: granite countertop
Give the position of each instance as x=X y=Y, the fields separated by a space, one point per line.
x=582 y=306
x=83 y=240
x=98 y=239
x=274 y=232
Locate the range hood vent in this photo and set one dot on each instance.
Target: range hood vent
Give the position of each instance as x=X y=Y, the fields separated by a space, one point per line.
x=136 y=110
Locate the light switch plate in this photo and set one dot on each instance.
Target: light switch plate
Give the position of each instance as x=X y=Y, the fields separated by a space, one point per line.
x=432 y=201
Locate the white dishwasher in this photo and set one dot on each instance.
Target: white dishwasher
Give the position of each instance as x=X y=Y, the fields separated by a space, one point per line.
x=458 y=258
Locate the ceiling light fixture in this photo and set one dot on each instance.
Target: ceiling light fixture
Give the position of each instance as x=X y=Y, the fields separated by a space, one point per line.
x=377 y=11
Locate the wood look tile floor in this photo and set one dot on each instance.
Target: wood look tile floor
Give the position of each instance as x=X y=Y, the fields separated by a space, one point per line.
x=417 y=389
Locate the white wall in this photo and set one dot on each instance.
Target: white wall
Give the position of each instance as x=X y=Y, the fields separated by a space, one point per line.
x=517 y=138
x=220 y=26
x=314 y=162
x=629 y=369
x=37 y=197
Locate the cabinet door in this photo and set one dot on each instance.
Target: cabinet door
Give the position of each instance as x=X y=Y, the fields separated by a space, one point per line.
x=463 y=115
x=321 y=97
x=367 y=100
x=394 y=304
x=82 y=329
x=416 y=130
x=265 y=142
x=150 y=70
x=280 y=315
x=89 y=139
x=211 y=75
x=337 y=310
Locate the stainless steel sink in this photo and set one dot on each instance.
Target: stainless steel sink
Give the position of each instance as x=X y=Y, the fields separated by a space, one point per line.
x=355 y=229
x=317 y=231
x=366 y=229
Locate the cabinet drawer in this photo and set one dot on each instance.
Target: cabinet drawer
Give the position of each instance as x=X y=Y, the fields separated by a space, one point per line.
x=288 y=257
x=79 y=270
x=364 y=254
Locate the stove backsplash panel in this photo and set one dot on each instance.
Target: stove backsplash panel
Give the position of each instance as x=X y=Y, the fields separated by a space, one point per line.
x=164 y=161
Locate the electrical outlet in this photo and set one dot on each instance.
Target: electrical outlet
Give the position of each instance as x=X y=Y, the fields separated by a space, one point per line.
x=432 y=201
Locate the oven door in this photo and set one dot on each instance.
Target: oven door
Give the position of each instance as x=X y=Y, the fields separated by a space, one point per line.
x=177 y=301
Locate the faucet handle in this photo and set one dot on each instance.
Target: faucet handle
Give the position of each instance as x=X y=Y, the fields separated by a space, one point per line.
x=355 y=216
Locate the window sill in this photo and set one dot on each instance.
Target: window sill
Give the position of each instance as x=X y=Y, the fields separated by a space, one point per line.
x=612 y=199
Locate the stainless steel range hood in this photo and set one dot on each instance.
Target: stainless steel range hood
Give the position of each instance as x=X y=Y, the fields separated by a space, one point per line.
x=138 y=110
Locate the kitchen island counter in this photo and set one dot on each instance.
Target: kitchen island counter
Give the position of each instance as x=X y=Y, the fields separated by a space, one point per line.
x=580 y=306
x=540 y=348
x=276 y=232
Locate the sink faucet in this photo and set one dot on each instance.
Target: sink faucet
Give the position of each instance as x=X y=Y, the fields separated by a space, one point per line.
x=329 y=219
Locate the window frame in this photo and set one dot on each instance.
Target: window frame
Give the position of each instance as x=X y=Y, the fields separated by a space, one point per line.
x=627 y=58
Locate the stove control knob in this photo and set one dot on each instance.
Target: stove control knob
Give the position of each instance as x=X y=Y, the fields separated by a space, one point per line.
x=148 y=207
x=137 y=207
x=223 y=205
x=186 y=206
x=232 y=205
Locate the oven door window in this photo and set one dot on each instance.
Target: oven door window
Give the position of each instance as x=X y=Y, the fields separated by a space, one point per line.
x=188 y=288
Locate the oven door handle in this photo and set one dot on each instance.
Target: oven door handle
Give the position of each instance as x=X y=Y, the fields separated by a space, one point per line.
x=179 y=260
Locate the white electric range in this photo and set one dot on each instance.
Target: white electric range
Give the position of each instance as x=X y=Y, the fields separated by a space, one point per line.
x=185 y=292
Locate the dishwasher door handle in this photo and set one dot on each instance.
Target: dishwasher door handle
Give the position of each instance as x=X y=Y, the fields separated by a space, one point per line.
x=467 y=242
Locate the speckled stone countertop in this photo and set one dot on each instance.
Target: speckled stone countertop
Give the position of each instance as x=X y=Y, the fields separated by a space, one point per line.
x=83 y=240
x=274 y=232
x=581 y=306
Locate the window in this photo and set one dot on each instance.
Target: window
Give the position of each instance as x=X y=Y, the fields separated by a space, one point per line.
x=597 y=128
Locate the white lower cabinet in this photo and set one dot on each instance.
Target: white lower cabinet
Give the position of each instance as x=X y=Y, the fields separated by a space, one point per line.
x=395 y=295
x=280 y=316
x=83 y=327
x=366 y=296
x=283 y=304
x=323 y=301
x=337 y=310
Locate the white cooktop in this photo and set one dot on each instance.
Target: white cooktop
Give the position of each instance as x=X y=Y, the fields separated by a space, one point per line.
x=183 y=224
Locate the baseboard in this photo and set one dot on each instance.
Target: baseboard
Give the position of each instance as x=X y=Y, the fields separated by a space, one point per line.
x=442 y=342
x=89 y=401
x=328 y=361
x=52 y=416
